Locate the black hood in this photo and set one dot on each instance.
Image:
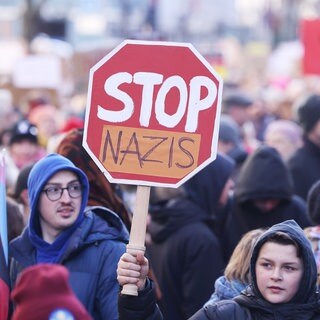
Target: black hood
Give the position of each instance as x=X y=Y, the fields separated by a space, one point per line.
x=264 y=175
x=199 y=202
x=206 y=186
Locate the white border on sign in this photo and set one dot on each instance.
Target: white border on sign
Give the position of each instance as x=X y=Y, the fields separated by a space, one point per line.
x=214 y=145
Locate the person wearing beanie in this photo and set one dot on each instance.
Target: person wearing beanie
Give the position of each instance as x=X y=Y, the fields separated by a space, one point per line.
x=263 y=196
x=43 y=292
x=62 y=230
x=304 y=165
x=230 y=142
x=24 y=148
x=283 y=282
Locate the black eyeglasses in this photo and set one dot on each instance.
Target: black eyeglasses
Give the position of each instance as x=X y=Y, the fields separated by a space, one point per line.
x=54 y=193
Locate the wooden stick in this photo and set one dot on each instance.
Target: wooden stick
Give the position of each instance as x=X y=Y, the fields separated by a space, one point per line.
x=138 y=231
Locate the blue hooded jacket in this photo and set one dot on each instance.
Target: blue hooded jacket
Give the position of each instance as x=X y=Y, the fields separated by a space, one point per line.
x=92 y=248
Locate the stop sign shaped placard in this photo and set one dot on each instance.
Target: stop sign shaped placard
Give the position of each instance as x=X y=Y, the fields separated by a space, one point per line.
x=152 y=114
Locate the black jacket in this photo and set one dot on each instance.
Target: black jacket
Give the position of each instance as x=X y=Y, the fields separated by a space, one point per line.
x=91 y=257
x=263 y=176
x=185 y=253
x=305 y=168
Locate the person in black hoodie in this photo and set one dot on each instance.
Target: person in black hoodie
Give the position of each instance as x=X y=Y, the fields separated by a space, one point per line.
x=283 y=283
x=263 y=197
x=185 y=252
x=304 y=165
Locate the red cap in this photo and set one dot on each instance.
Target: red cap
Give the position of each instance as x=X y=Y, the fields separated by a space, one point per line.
x=43 y=292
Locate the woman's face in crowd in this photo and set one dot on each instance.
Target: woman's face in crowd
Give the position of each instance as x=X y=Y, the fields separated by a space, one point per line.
x=278 y=271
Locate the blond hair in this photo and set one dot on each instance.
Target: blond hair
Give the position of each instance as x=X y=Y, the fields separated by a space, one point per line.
x=238 y=267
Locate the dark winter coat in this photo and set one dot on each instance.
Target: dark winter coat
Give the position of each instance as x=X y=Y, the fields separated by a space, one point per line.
x=263 y=176
x=90 y=248
x=91 y=257
x=185 y=253
x=143 y=307
x=304 y=166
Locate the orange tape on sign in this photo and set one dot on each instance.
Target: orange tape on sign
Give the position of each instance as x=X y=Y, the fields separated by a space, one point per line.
x=149 y=152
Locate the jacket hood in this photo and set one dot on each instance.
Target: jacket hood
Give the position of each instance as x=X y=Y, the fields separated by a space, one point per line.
x=264 y=175
x=111 y=228
x=170 y=216
x=39 y=175
x=309 y=278
x=206 y=186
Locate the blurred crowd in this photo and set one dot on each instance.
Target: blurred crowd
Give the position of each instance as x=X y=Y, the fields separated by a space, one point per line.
x=267 y=171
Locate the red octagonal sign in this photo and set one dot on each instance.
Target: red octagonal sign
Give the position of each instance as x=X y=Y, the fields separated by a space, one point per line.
x=152 y=115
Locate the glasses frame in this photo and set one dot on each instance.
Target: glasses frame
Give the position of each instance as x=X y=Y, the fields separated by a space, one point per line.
x=62 y=190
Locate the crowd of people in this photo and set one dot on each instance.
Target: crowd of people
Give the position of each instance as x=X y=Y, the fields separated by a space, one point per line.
x=238 y=240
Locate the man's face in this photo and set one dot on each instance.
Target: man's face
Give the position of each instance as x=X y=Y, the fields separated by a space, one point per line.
x=279 y=271
x=56 y=216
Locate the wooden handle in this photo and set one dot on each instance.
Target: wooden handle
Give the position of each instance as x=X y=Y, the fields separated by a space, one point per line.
x=138 y=231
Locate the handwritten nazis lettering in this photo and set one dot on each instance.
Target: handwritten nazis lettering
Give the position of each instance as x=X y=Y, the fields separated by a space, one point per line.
x=151 y=152
x=190 y=104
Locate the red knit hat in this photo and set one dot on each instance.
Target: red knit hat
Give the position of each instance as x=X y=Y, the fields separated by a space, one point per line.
x=43 y=292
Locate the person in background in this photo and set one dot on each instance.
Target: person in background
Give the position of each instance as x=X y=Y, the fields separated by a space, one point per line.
x=184 y=244
x=24 y=148
x=48 y=120
x=61 y=230
x=230 y=143
x=20 y=192
x=237 y=104
x=285 y=136
x=313 y=232
x=236 y=275
x=263 y=197
x=15 y=222
x=283 y=283
x=304 y=165
x=43 y=293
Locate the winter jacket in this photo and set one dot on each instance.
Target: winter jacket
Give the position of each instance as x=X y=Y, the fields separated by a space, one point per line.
x=263 y=176
x=225 y=289
x=142 y=307
x=185 y=253
x=304 y=166
x=90 y=248
x=91 y=257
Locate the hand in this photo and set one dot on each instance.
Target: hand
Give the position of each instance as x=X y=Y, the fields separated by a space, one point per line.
x=133 y=270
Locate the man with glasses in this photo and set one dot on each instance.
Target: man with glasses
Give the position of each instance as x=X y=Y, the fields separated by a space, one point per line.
x=62 y=230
